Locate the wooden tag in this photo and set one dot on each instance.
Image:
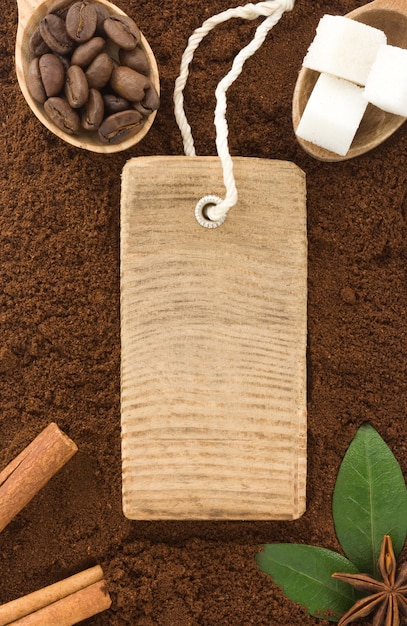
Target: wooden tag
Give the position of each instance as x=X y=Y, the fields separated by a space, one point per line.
x=213 y=328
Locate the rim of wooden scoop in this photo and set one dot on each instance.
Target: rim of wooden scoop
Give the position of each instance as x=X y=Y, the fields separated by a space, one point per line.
x=376 y=126
x=29 y=15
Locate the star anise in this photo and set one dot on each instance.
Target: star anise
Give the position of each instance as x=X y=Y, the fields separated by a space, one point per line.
x=388 y=598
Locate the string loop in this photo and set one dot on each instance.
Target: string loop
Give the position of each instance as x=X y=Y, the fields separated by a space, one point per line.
x=272 y=11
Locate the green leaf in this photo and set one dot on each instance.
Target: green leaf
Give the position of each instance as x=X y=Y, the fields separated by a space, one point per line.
x=369 y=500
x=305 y=575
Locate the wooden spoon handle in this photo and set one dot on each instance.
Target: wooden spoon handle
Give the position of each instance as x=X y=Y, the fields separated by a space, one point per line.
x=399 y=6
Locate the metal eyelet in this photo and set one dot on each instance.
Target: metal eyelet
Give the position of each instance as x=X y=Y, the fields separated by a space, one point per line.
x=200 y=215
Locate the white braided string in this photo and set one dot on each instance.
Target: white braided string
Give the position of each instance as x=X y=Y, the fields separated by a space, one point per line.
x=272 y=10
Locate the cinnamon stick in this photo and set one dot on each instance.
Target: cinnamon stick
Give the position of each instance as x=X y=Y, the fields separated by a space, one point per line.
x=21 y=480
x=21 y=607
x=72 y=609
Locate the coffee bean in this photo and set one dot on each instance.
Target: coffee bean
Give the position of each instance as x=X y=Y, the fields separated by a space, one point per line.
x=129 y=84
x=81 y=21
x=120 y=126
x=62 y=115
x=84 y=54
x=149 y=103
x=53 y=32
x=52 y=74
x=114 y=104
x=34 y=82
x=45 y=77
x=76 y=87
x=99 y=71
x=102 y=13
x=61 y=7
x=93 y=112
x=36 y=44
x=136 y=59
x=123 y=31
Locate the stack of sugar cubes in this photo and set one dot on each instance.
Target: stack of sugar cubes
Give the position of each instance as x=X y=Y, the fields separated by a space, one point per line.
x=356 y=67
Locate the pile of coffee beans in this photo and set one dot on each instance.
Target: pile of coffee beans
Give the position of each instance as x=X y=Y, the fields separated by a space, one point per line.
x=90 y=72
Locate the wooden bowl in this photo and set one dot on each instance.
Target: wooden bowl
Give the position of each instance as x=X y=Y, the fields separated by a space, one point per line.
x=30 y=13
x=376 y=125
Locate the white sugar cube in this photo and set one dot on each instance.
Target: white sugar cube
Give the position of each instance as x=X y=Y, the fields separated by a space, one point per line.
x=332 y=114
x=344 y=47
x=386 y=86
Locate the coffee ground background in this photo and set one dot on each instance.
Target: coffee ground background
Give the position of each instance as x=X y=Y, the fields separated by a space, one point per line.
x=60 y=332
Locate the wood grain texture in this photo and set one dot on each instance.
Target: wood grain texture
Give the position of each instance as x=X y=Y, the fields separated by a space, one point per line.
x=213 y=325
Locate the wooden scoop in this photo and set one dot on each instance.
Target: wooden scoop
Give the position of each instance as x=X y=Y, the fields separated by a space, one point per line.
x=30 y=12
x=389 y=16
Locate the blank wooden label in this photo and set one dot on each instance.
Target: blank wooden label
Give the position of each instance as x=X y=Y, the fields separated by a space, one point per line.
x=213 y=328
